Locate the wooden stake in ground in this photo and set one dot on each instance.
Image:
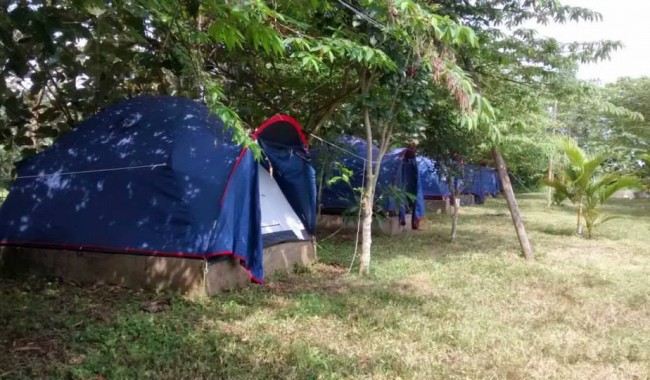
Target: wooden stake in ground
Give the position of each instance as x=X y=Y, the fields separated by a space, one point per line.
x=512 y=205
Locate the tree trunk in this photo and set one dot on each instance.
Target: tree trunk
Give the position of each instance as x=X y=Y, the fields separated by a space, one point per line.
x=579 y=227
x=319 y=196
x=372 y=168
x=367 y=199
x=454 y=219
x=455 y=207
x=366 y=234
x=549 y=193
x=512 y=205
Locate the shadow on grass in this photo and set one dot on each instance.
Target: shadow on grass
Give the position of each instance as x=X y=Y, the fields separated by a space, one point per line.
x=433 y=243
x=57 y=330
x=39 y=318
x=556 y=230
x=163 y=346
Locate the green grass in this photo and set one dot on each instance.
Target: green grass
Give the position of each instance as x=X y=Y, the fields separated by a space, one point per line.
x=430 y=309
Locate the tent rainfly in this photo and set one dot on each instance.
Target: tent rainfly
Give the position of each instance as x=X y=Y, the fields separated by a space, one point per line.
x=153 y=192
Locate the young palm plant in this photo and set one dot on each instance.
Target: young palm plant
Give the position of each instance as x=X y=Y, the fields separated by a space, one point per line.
x=599 y=190
x=581 y=183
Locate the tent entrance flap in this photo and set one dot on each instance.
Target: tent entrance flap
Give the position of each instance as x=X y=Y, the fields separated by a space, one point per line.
x=279 y=221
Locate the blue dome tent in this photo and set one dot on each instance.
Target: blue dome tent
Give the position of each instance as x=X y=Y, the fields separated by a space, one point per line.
x=398 y=171
x=161 y=177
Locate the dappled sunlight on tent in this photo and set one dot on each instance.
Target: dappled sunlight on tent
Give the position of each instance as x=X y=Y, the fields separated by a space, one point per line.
x=162 y=176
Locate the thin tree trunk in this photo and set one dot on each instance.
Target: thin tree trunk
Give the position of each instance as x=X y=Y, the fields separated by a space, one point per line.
x=320 y=192
x=549 y=193
x=366 y=235
x=454 y=219
x=367 y=200
x=373 y=167
x=512 y=205
x=579 y=227
x=455 y=208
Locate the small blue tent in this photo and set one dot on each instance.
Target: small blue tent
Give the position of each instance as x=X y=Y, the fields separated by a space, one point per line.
x=469 y=183
x=162 y=176
x=434 y=186
x=479 y=181
x=398 y=171
x=490 y=184
x=499 y=183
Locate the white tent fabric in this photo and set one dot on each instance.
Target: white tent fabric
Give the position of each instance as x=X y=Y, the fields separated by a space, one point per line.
x=277 y=213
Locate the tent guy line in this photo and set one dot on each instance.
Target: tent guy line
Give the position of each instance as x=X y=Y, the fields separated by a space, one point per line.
x=342 y=149
x=152 y=166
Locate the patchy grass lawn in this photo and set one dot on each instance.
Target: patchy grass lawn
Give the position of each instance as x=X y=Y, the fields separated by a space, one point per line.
x=430 y=309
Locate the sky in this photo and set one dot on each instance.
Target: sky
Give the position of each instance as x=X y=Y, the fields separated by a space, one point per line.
x=623 y=20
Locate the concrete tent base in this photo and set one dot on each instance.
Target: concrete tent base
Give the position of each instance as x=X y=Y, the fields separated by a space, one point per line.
x=438 y=206
x=467 y=199
x=389 y=226
x=189 y=276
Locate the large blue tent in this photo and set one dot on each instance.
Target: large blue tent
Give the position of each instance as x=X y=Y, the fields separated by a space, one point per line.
x=162 y=176
x=434 y=185
x=398 y=172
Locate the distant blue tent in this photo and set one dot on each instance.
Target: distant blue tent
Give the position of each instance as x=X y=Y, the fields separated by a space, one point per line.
x=479 y=181
x=434 y=186
x=469 y=183
x=398 y=171
x=499 y=183
x=162 y=176
x=489 y=179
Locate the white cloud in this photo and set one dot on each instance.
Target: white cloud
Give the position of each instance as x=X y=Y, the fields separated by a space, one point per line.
x=623 y=20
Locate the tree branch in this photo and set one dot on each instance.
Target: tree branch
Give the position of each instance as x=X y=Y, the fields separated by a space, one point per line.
x=317 y=117
x=56 y=95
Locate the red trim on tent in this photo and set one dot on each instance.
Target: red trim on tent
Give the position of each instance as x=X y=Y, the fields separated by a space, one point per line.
x=81 y=247
x=259 y=130
x=296 y=125
x=134 y=251
x=232 y=173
